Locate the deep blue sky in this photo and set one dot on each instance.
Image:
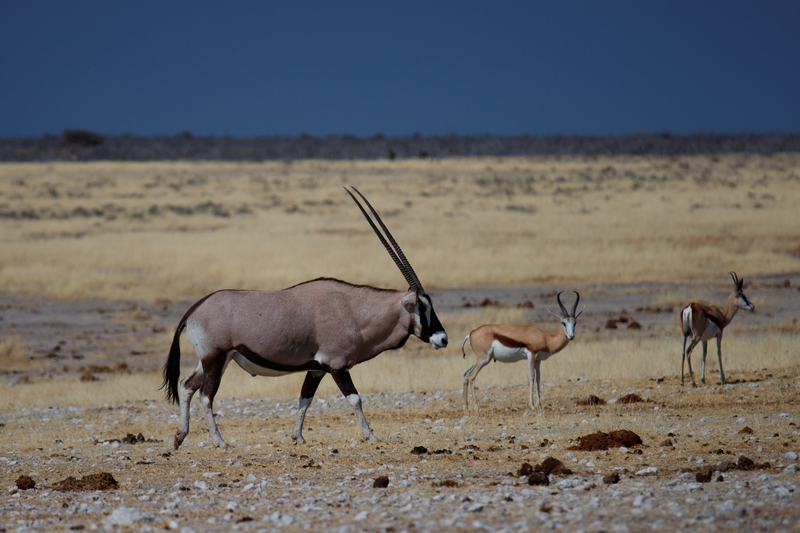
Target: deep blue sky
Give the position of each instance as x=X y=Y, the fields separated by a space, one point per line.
x=463 y=67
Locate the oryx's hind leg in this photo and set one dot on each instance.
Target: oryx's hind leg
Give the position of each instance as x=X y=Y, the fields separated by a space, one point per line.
x=186 y=390
x=345 y=384
x=213 y=368
x=310 y=385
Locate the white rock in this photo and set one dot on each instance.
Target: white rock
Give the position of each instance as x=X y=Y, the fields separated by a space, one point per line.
x=790 y=456
x=361 y=516
x=740 y=420
x=202 y=485
x=124 y=516
x=790 y=469
x=648 y=470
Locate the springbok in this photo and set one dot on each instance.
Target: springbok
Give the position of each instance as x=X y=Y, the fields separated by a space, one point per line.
x=508 y=344
x=704 y=322
x=323 y=326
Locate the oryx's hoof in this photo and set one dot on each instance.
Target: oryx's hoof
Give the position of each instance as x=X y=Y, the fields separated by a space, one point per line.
x=298 y=439
x=178 y=440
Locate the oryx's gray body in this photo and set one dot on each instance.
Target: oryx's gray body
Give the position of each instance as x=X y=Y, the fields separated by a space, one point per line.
x=324 y=326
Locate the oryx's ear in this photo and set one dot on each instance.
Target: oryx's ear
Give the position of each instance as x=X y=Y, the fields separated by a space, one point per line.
x=410 y=302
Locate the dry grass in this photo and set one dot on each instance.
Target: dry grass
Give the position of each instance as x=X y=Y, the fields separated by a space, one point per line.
x=13 y=354
x=179 y=230
x=417 y=368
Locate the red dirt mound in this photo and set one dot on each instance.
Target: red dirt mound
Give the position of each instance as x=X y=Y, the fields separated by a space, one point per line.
x=630 y=398
x=592 y=400
x=101 y=481
x=604 y=441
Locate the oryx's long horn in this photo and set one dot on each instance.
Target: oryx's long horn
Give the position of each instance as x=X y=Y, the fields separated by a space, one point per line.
x=394 y=250
x=574 y=307
x=563 y=309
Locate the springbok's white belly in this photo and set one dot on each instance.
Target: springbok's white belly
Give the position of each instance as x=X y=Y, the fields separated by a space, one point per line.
x=254 y=369
x=712 y=330
x=504 y=354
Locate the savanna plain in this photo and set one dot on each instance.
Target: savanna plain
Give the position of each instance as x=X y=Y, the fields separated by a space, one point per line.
x=99 y=261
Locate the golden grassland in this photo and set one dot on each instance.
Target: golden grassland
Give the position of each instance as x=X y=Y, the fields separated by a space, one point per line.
x=420 y=369
x=175 y=231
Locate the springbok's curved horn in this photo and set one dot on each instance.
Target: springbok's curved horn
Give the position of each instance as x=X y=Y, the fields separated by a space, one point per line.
x=394 y=250
x=563 y=309
x=574 y=307
x=737 y=281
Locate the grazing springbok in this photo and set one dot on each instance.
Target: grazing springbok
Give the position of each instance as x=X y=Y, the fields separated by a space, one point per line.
x=508 y=344
x=323 y=326
x=704 y=322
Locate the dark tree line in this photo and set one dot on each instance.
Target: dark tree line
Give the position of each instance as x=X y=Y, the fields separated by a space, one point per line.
x=80 y=145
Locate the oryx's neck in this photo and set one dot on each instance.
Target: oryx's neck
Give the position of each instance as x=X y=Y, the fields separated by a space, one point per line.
x=383 y=325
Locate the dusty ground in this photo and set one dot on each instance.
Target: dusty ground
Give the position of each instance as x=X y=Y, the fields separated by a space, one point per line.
x=468 y=478
x=99 y=261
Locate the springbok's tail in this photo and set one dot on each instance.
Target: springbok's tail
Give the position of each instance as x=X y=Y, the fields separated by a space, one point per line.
x=686 y=321
x=463 y=353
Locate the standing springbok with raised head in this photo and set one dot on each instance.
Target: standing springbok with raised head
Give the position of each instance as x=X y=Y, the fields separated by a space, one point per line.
x=704 y=322
x=508 y=344
x=323 y=326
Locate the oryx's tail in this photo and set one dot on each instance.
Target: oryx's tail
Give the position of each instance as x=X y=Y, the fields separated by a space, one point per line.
x=463 y=353
x=172 y=368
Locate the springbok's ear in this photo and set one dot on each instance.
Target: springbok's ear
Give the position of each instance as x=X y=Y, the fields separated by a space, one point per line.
x=410 y=302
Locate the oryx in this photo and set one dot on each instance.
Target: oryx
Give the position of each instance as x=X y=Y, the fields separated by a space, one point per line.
x=323 y=326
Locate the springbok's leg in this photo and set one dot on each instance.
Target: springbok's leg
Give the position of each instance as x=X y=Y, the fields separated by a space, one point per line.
x=310 y=385
x=531 y=373
x=683 y=356
x=345 y=384
x=719 y=357
x=689 y=359
x=466 y=387
x=705 y=352
x=536 y=375
x=213 y=368
x=186 y=390
x=475 y=369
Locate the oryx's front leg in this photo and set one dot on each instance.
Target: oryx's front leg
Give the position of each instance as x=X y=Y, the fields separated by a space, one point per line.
x=310 y=385
x=345 y=384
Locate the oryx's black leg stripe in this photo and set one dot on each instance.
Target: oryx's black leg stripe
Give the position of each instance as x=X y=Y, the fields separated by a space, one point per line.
x=344 y=381
x=310 y=384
